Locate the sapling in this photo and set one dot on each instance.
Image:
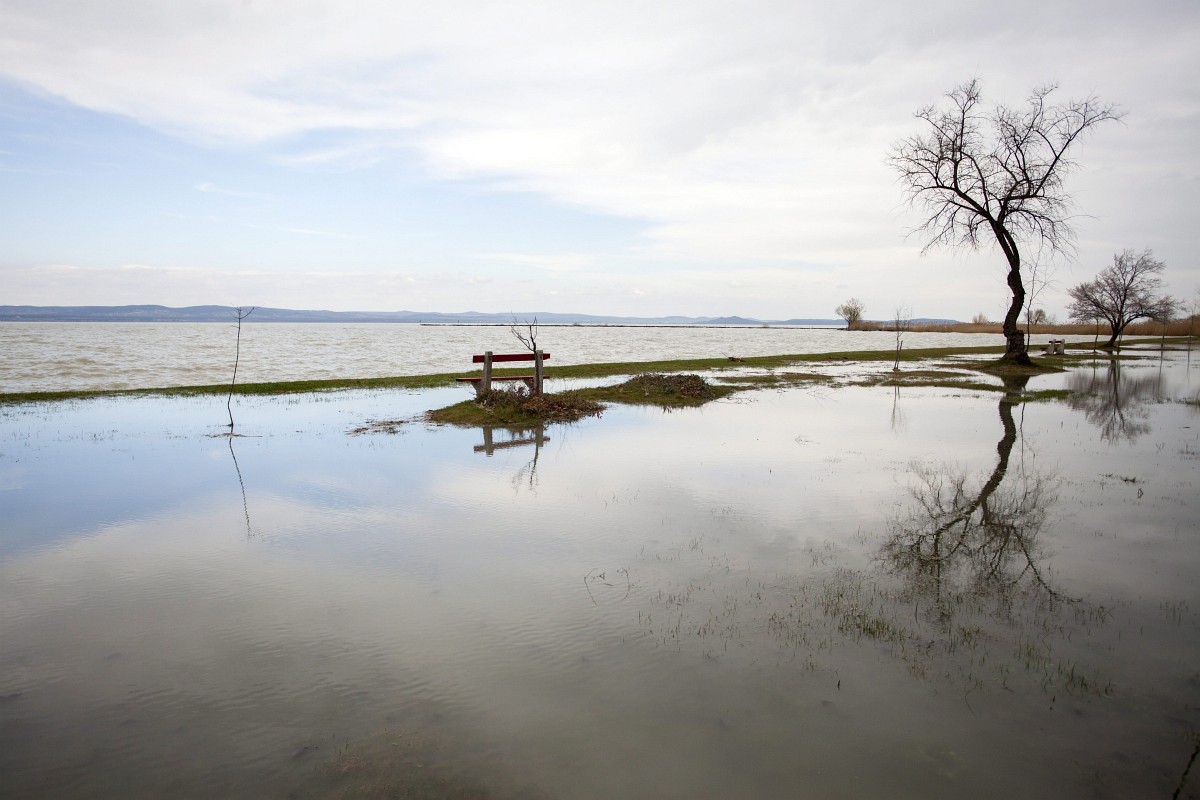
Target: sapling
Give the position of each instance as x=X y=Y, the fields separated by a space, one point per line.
x=240 y=313
x=901 y=323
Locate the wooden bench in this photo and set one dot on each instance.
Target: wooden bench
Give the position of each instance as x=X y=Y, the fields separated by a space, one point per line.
x=483 y=383
x=1055 y=347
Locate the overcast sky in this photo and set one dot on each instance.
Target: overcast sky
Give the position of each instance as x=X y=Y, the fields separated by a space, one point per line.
x=602 y=157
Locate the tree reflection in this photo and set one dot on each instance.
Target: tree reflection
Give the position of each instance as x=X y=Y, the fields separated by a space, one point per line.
x=1114 y=401
x=968 y=539
x=242 y=484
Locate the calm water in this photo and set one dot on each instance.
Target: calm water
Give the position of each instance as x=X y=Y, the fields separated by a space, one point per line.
x=59 y=356
x=821 y=592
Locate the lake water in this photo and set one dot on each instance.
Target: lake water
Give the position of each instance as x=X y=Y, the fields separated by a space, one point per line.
x=812 y=592
x=73 y=356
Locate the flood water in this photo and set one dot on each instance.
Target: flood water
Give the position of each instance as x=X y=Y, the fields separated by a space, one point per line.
x=811 y=592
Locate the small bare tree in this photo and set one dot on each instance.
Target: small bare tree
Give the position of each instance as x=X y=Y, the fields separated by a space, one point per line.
x=1194 y=313
x=1039 y=279
x=851 y=311
x=525 y=332
x=1123 y=292
x=1168 y=309
x=902 y=323
x=997 y=177
x=240 y=313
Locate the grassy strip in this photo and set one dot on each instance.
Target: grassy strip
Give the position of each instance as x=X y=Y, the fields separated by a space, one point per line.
x=269 y=388
x=571 y=371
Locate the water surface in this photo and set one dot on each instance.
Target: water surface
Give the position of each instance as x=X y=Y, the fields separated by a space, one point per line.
x=813 y=592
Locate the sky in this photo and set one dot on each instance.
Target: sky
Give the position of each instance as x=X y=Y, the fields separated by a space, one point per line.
x=594 y=156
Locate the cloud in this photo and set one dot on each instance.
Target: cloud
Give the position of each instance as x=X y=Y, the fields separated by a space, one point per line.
x=739 y=134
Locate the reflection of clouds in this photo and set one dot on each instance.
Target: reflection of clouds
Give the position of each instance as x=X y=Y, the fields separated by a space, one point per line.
x=1115 y=401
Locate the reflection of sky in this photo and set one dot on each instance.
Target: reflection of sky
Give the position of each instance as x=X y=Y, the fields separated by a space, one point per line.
x=384 y=571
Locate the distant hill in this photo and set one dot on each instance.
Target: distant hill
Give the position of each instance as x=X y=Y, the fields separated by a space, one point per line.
x=153 y=313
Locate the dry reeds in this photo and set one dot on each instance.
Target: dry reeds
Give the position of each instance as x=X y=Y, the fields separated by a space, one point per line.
x=1181 y=327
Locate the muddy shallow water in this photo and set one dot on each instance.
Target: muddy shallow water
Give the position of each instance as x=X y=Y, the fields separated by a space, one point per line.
x=812 y=592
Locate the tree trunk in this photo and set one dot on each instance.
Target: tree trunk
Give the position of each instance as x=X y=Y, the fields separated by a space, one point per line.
x=1014 y=347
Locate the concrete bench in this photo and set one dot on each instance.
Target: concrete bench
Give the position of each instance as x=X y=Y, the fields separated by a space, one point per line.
x=1055 y=347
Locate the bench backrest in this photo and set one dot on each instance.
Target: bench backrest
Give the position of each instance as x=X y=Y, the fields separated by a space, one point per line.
x=508 y=357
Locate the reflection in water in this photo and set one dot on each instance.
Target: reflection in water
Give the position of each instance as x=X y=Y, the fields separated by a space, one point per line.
x=959 y=539
x=242 y=484
x=974 y=597
x=899 y=418
x=764 y=612
x=535 y=436
x=517 y=437
x=1116 y=402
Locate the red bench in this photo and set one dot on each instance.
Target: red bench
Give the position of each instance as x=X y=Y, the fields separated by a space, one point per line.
x=483 y=383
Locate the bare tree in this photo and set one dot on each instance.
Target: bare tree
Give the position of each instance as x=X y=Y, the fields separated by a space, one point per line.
x=525 y=332
x=1193 y=313
x=240 y=313
x=851 y=311
x=997 y=176
x=1122 y=293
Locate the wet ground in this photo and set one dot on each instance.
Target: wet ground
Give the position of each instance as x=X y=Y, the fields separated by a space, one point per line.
x=814 y=590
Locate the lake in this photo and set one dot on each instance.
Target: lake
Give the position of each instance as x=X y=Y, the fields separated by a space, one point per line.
x=819 y=591
x=52 y=356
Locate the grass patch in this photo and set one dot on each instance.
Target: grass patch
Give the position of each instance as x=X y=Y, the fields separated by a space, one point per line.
x=1048 y=394
x=661 y=389
x=516 y=408
x=1005 y=369
x=771 y=379
x=935 y=383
